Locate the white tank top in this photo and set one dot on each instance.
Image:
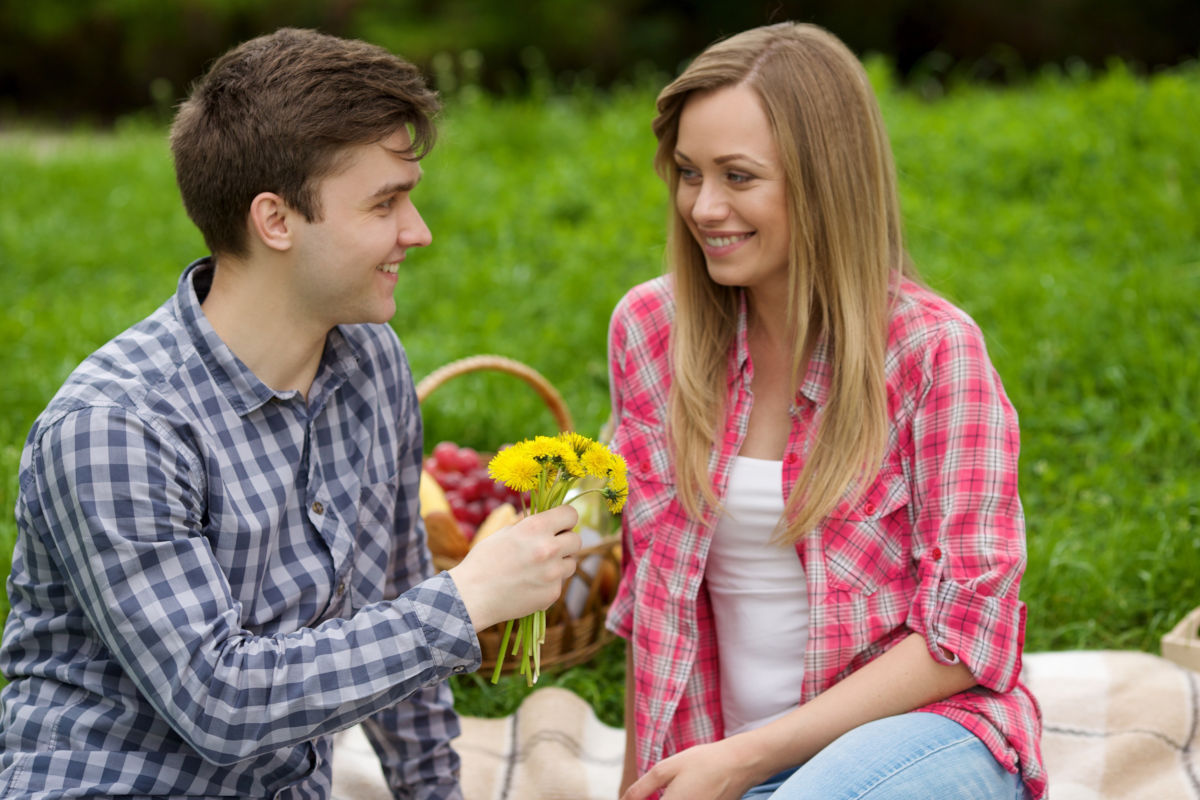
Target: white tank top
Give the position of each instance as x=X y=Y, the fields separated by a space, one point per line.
x=759 y=599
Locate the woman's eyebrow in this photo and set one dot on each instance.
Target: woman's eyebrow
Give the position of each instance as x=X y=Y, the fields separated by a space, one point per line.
x=738 y=157
x=721 y=160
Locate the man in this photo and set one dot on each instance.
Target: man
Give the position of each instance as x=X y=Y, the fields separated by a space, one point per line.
x=220 y=560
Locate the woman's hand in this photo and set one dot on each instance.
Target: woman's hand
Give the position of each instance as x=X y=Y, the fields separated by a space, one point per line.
x=705 y=772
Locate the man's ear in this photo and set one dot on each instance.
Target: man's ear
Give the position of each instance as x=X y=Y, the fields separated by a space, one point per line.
x=271 y=220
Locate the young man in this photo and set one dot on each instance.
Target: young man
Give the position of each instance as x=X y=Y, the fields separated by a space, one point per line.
x=220 y=559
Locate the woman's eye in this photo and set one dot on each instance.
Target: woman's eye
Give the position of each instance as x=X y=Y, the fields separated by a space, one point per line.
x=687 y=173
x=739 y=177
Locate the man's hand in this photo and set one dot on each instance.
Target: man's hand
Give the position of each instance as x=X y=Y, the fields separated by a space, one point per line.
x=519 y=569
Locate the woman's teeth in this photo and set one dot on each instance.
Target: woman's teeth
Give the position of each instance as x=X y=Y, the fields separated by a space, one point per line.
x=725 y=241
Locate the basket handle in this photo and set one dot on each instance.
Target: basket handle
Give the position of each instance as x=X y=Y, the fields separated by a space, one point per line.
x=543 y=387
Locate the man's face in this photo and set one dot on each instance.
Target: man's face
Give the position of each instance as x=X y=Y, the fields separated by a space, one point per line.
x=347 y=263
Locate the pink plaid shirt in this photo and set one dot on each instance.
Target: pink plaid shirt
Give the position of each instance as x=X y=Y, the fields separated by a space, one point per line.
x=936 y=545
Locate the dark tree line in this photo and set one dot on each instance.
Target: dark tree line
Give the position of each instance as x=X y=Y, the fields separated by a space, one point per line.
x=98 y=59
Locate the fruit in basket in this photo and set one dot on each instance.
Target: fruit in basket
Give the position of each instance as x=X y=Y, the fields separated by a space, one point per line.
x=461 y=473
x=446 y=538
x=504 y=515
x=433 y=497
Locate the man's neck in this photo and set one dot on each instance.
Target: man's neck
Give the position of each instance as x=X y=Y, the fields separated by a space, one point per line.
x=251 y=313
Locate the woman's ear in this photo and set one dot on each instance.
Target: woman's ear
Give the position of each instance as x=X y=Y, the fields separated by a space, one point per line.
x=271 y=220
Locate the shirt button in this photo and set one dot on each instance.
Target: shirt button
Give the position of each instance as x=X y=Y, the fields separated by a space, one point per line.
x=341 y=588
x=645 y=466
x=318 y=507
x=869 y=508
x=792 y=458
x=460 y=669
x=936 y=554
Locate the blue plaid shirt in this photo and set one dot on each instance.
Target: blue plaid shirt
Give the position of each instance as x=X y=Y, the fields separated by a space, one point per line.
x=212 y=577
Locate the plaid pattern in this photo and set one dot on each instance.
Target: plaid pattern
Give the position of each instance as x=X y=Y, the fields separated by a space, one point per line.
x=212 y=578
x=935 y=545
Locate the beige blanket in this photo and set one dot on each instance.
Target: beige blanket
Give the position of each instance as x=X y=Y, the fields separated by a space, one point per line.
x=551 y=748
x=1118 y=726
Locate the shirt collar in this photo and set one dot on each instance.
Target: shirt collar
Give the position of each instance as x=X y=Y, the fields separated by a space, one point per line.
x=815 y=385
x=244 y=391
x=739 y=366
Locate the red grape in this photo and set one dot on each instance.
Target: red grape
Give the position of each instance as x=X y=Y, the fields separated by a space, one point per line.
x=445 y=455
x=468 y=460
x=470 y=491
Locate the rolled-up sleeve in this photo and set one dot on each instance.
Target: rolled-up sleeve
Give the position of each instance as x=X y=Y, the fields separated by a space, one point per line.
x=970 y=534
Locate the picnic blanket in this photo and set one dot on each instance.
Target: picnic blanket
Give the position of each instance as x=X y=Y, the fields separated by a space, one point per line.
x=1119 y=725
x=551 y=748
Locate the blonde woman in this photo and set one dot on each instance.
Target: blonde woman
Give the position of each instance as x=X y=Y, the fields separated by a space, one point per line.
x=823 y=537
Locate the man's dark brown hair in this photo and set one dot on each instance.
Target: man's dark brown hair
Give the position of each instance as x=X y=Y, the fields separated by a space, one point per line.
x=273 y=115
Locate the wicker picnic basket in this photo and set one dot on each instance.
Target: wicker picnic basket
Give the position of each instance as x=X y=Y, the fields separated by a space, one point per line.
x=573 y=634
x=1182 y=643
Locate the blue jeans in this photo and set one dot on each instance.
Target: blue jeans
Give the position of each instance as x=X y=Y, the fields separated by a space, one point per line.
x=917 y=755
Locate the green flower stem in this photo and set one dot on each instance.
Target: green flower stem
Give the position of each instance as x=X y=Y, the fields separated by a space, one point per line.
x=553 y=484
x=500 y=656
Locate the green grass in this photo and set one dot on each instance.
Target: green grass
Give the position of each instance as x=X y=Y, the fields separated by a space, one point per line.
x=1063 y=215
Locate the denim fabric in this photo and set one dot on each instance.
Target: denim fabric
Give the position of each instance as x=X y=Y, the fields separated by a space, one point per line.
x=917 y=755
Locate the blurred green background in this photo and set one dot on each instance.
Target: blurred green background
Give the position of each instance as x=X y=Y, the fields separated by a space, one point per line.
x=1048 y=164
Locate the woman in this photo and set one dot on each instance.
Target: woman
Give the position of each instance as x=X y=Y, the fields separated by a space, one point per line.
x=823 y=536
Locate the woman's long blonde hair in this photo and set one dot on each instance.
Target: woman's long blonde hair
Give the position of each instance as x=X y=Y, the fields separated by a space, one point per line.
x=846 y=249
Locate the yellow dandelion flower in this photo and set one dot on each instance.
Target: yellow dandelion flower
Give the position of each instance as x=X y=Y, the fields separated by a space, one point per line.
x=516 y=468
x=618 y=464
x=597 y=461
x=573 y=467
x=557 y=452
x=615 y=494
x=548 y=448
x=549 y=467
x=578 y=442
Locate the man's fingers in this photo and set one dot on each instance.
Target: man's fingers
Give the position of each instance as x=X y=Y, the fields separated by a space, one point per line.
x=569 y=543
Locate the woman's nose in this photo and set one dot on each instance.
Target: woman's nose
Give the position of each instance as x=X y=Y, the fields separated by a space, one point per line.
x=710 y=205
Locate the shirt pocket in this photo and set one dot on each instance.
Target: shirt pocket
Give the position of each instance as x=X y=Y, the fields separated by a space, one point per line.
x=647 y=455
x=864 y=542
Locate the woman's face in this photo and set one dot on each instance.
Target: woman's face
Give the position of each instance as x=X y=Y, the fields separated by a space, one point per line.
x=732 y=190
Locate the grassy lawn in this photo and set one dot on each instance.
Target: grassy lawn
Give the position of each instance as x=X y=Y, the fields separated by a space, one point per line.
x=1063 y=215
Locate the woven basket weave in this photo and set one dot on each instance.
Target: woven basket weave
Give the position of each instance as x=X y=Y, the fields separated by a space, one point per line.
x=570 y=638
x=1182 y=643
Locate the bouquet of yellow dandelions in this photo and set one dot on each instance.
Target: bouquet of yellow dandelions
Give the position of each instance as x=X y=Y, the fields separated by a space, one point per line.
x=547 y=467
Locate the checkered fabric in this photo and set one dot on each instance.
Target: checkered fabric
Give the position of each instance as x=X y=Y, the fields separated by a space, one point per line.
x=211 y=578
x=935 y=545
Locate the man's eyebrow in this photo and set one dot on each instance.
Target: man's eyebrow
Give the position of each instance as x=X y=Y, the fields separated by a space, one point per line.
x=399 y=187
